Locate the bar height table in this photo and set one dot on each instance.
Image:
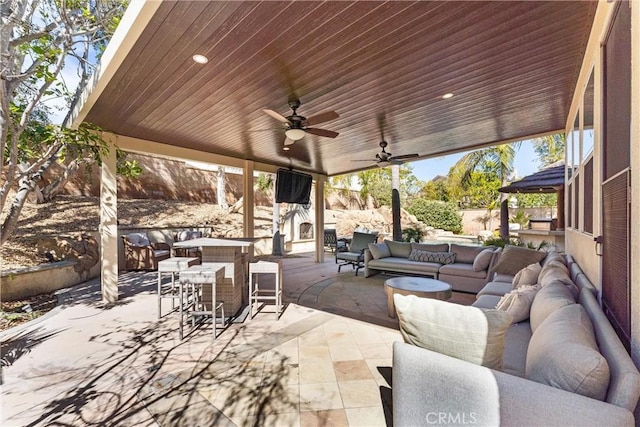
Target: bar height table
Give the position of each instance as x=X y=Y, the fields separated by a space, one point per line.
x=235 y=254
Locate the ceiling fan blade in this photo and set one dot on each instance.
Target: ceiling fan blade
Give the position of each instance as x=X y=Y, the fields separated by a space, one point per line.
x=276 y=116
x=362 y=160
x=403 y=156
x=322 y=132
x=322 y=117
x=288 y=141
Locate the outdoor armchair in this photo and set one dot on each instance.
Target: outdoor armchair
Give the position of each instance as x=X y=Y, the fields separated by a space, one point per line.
x=141 y=254
x=354 y=255
x=193 y=252
x=332 y=242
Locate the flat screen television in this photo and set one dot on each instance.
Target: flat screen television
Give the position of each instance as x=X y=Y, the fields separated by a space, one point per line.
x=293 y=187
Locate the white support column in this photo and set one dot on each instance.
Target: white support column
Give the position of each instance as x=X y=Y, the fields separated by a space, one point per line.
x=249 y=202
x=319 y=220
x=109 y=224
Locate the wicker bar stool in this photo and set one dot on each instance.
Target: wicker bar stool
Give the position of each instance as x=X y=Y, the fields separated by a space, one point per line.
x=261 y=295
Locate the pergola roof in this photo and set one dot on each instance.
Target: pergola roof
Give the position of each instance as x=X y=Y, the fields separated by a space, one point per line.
x=548 y=180
x=511 y=65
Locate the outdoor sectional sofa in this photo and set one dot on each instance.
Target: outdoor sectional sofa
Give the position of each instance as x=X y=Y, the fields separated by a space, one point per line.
x=467 y=270
x=563 y=365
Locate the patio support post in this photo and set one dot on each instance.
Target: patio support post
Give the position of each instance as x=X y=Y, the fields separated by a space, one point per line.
x=635 y=181
x=109 y=224
x=319 y=220
x=560 y=209
x=249 y=202
x=395 y=202
x=276 y=241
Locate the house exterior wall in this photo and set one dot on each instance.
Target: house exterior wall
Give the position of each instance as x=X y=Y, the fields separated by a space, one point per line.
x=578 y=243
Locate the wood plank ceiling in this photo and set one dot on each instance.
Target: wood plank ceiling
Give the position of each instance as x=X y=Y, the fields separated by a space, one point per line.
x=511 y=65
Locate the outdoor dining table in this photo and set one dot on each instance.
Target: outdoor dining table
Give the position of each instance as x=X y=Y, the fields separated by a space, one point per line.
x=235 y=254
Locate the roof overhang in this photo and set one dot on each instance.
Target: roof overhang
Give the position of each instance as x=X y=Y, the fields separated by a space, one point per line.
x=512 y=67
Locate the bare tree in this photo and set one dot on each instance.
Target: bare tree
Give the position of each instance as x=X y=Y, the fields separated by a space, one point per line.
x=38 y=39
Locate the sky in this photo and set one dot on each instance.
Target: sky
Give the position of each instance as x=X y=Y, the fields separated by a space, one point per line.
x=526 y=163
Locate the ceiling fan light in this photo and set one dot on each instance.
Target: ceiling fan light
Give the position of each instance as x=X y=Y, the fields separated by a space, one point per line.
x=295 y=134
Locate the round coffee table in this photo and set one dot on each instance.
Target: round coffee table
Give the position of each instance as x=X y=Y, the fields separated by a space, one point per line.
x=419 y=286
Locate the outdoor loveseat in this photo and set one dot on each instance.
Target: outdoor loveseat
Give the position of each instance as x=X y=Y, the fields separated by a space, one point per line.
x=465 y=268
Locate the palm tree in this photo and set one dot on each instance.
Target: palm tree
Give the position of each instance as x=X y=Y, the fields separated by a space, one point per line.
x=498 y=160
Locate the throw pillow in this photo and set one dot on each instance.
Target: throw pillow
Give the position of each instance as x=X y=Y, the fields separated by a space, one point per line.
x=563 y=353
x=380 y=250
x=527 y=276
x=467 y=333
x=399 y=249
x=518 y=302
x=439 y=257
x=482 y=260
x=515 y=258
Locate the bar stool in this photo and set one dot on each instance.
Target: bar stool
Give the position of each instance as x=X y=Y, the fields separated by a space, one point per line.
x=261 y=295
x=172 y=265
x=201 y=279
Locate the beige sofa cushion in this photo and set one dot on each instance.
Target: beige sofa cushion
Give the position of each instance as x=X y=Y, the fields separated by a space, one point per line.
x=379 y=250
x=549 y=299
x=563 y=353
x=436 y=247
x=466 y=254
x=482 y=260
x=466 y=333
x=527 y=276
x=518 y=302
x=515 y=258
x=399 y=249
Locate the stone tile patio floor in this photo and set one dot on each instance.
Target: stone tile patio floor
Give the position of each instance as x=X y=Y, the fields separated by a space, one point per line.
x=325 y=362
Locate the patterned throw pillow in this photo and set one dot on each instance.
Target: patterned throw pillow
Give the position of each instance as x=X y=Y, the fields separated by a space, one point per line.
x=439 y=257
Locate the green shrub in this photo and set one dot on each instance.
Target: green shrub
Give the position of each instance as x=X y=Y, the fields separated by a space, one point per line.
x=437 y=214
x=412 y=235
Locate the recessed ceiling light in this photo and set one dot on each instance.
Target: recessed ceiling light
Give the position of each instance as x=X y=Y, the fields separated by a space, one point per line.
x=200 y=59
x=447 y=96
x=285 y=148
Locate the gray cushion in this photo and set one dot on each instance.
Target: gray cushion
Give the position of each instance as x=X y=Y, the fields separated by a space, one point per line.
x=442 y=247
x=486 y=301
x=496 y=288
x=426 y=256
x=466 y=254
x=403 y=264
x=516 y=344
x=515 y=258
x=380 y=250
x=563 y=353
x=482 y=260
x=465 y=270
x=466 y=333
x=399 y=249
x=549 y=299
x=518 y=302
x=527 y=276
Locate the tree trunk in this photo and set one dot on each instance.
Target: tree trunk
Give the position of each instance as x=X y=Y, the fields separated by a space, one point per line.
x=27 y=184
x=504 y=219
x=221 y=193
